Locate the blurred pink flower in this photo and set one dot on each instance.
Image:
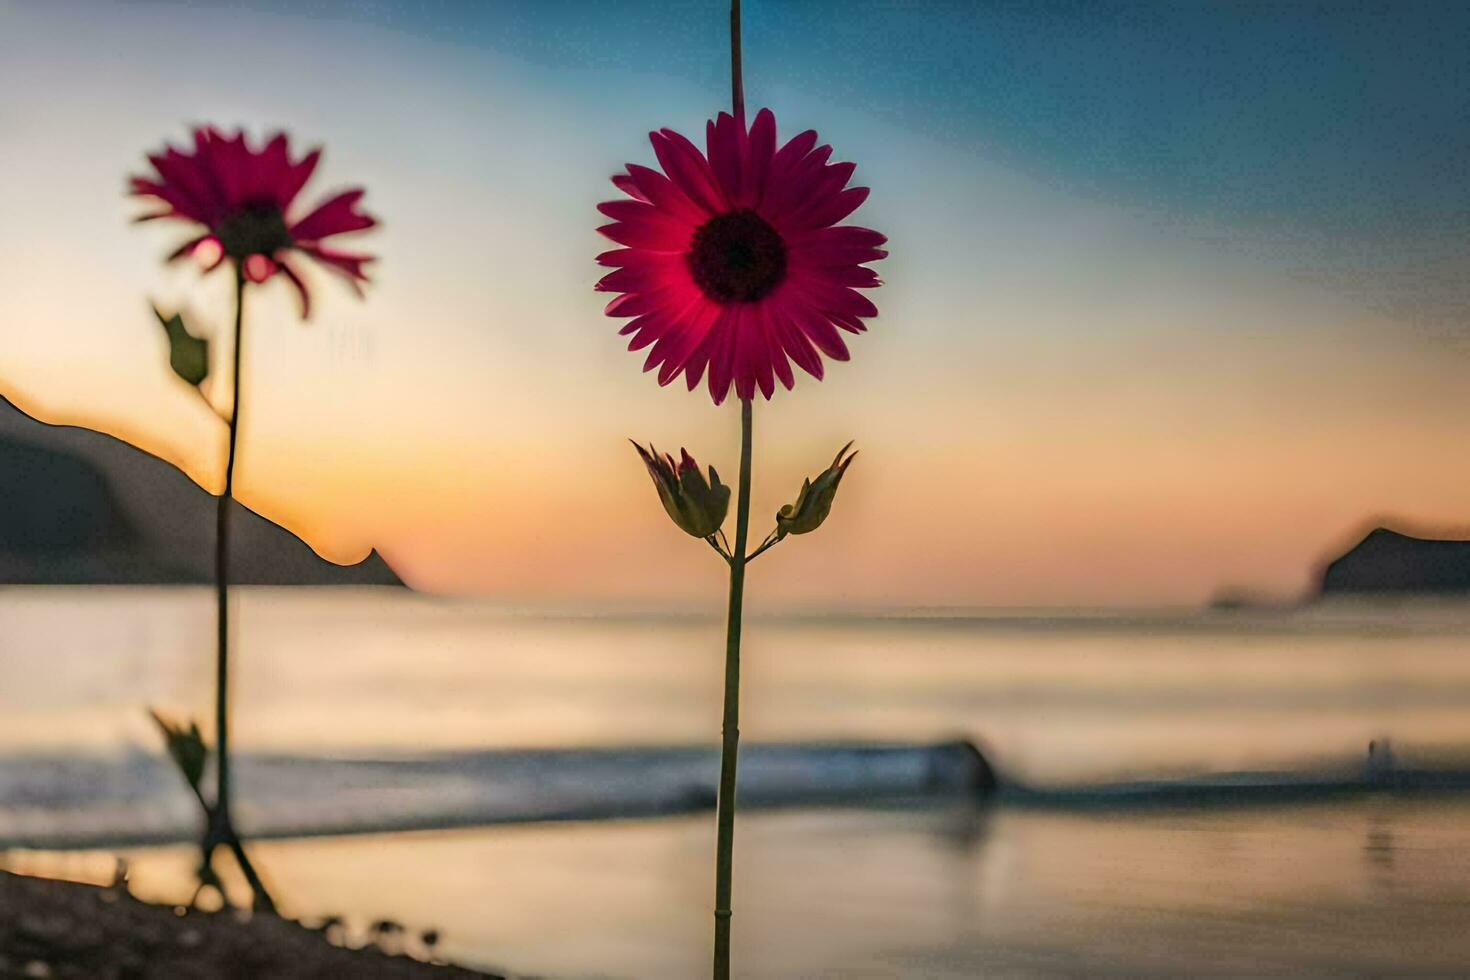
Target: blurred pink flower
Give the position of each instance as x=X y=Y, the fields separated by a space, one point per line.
x=243 y=197
x=734 y=261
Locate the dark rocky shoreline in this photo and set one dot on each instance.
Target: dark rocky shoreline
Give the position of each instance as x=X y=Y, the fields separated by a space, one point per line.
x=62 y=929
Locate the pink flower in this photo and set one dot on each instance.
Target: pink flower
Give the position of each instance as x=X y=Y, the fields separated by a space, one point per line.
x=243 y=197
x=734 y=262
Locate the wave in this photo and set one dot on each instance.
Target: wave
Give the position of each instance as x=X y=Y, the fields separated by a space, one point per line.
x=54 y=801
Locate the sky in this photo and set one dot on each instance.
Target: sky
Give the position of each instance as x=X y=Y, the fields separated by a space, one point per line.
x=1177 y=299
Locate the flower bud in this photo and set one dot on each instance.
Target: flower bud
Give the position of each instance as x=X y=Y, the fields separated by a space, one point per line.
x=814 y=502
x=696 y=505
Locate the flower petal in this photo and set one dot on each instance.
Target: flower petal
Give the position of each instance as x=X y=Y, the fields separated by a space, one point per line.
x=335 y=216
x=688 y=169
x=295 y=280
x=831 y=210
x=722 y=141
x=263 y=176
x=186 y=248
x=796 y=186
x=722 y=352
x=836 y=299
x=648 y=235
x=667 y=226
x=176 y=198
x=258 y=268
x=759 y=149
x=680 y=345
x=841 y=236
x=626 y=184
x=295 y=178
x=644 y=276
x=820 y=331
x=796 y=344
x=793 y=151
x=619 y=256
x=348 y=264
x=774 y=356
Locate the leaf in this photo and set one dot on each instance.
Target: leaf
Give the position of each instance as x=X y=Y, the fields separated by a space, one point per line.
x=185 y=746
x=187 y=355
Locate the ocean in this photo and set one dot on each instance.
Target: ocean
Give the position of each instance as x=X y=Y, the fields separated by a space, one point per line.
x=1068 y=705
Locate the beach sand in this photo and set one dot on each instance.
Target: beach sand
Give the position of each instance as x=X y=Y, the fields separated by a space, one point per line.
x=51 y=928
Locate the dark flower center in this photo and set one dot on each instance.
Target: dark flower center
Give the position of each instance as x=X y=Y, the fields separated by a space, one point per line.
x=737 y=257
x=256 y=229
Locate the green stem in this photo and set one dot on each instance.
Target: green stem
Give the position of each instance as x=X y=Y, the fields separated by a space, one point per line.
x=718 y=549
x=224 y=830
x=737 y=80
x=730 y=743
x=730 y=747
x=770 y=542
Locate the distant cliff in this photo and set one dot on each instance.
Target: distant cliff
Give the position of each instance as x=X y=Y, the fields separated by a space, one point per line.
x=81 y=508
x=1387 y=561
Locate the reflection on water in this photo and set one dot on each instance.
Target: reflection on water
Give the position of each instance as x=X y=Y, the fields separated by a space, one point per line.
x=1379 y=845
x=944 y=893
x=1075 y=697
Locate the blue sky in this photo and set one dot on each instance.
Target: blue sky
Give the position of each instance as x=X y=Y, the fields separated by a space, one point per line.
x=1351 y=117
x=1335 y=134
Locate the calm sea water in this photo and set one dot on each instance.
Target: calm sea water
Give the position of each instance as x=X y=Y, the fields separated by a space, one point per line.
x=1369 y=885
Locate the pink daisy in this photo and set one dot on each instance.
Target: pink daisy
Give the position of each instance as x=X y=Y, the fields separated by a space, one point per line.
x=734 y=262
x=243 y=197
